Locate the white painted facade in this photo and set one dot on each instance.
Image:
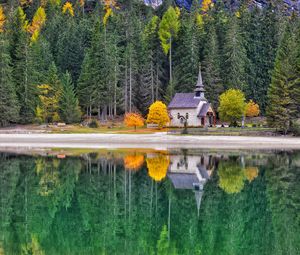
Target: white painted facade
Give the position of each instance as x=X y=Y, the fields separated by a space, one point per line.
x=188 y=164
x=193 y=120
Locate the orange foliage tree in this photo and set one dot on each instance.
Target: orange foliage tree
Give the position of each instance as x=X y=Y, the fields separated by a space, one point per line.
x=252 y=109
x=2 y=19
x=81 y=3
x=251 y=173
x=133 y=120
x=158 y=166
x=158 y=114
x=134 y=162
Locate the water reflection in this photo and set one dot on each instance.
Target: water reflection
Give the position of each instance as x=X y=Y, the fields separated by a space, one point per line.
x=150 y=202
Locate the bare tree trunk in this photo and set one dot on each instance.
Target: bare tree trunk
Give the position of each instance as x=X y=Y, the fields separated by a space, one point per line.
x=130 y=84
x=115 y=93
x=152 y=80
x=26 y=76
x=90 y=110
x=169 y=218
x=157 y=82
x=170 y=63
x=126 y=88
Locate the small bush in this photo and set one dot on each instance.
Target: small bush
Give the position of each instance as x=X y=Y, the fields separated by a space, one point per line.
x=94 y=124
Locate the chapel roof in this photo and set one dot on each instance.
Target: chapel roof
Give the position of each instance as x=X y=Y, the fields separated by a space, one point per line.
x=204 y=109
x=184 y=100
x=183 y=181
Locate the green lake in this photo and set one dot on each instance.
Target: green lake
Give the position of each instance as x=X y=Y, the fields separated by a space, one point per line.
x=150 y=202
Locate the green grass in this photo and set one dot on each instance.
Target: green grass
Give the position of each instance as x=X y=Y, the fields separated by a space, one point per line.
x=76 y=129
x=247 y=131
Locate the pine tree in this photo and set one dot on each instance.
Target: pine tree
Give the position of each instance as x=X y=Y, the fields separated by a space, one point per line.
x=84 y=88
x=283 y=94
x=131 y=58
x=9 y=109
x=261 y=35
x=235 y=58
x=70 y=49
x=26 y=91
x=69 y=106
x=49 y=97
x=211 y=68
x=32 y=62
x=97 y=76
x=186 y=54
x=151 y=65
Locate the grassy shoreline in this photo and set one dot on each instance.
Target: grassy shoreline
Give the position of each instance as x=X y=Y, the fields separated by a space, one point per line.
x=120 y=129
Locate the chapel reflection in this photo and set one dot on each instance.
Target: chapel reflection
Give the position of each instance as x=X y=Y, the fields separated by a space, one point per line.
x=191 y=172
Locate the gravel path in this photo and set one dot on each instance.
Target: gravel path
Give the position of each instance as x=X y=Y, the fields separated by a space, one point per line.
x=155 y=141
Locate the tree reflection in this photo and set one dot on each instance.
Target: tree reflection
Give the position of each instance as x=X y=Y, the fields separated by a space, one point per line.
x=232 y=175
x=157 y=165
x=134 y=162
x=251 y=173
x=95 y=207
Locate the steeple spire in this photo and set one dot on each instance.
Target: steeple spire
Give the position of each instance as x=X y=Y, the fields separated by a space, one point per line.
x=199 y=90
x=199 y=82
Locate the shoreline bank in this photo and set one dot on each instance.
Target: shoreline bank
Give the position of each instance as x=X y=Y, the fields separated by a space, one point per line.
x=155 y=141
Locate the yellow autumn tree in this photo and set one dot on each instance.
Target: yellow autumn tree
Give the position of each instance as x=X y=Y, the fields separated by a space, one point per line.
x=38 y=21
x=47 y=111
x=231 y=177
x=33 y=247
x=23 y=19
x=49 y=176
x=158 y=114
x=25 y=3
x=2 y=19
x=206 y=4
x=109 y=5
x=68 y=9
x=252 y=109
x=134 y=162
x=55 y=2
x=158 y=166
x=134 y=120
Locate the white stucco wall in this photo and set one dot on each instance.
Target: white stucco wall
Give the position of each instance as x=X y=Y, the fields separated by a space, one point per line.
x=188 y=165
x=193 y=120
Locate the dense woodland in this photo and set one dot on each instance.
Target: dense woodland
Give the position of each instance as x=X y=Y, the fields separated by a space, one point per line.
x=62 y=61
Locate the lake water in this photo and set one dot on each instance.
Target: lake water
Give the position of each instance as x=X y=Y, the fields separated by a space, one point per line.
x=150 y=202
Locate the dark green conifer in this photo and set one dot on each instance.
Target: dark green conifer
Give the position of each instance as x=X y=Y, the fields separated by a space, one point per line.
x=9 y=107
x=235 y=57
x=283 y=94
x=69 y=105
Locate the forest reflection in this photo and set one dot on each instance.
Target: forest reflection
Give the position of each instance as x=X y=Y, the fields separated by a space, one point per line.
x=150 y=202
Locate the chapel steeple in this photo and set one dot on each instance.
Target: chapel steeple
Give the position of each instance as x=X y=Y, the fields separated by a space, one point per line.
x=200 y=90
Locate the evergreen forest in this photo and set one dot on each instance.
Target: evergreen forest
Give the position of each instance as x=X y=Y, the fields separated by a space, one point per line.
x=66 y=60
